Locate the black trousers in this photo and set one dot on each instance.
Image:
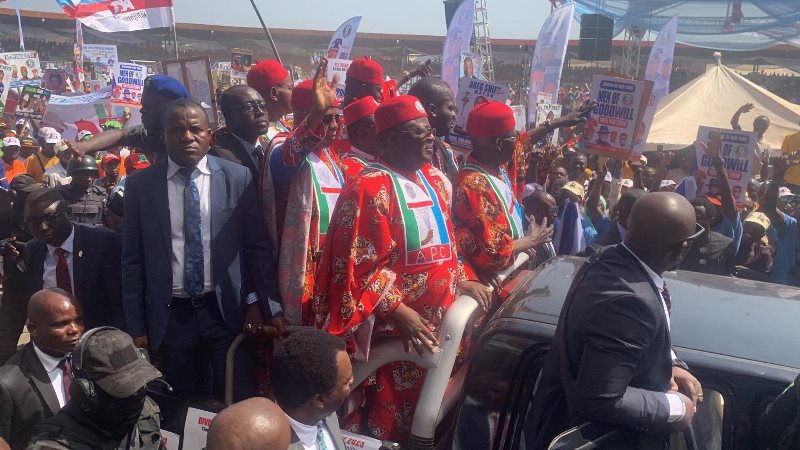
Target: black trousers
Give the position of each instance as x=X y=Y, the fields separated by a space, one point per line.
x=192 y=354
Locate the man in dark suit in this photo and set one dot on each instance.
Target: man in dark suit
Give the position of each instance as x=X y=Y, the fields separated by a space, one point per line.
x=611 y=359
x=246 y=122
x=311 y=378
x=34 y=383
x=193 y=232
x=82 y=260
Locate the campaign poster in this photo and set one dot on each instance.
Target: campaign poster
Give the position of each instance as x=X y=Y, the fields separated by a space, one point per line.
x=520 y=120
x=470 y=93
x=548 y=56
x=195 y=429
x=170 y=440
x=55 y=81
x=471 y=66
x=548 y=111
x=101 y=59
x=25 y=68
x=341 y=44
x=615 y=124
x=32 y=102
x=5 y=75
x=72 y=114
x=459 y=36
x=358 y=442
x=128 y=83
x=195 y=73
x=241 y=59
x=338 y=66
x=738 y=152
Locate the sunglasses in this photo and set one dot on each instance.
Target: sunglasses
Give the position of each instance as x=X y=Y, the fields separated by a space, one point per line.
x=698 y=231
x=428 y=132
x=328 y=118
x=49 y=219
x=251 y=107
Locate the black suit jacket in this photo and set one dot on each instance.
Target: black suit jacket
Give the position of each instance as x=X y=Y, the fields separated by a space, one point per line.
x=227 y=147
x=96 y=274
x=26 y=397
x=610 y=360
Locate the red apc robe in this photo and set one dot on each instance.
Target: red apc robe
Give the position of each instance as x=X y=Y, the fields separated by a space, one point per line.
x=390 y=241
x=353 y=163
x=487 y=218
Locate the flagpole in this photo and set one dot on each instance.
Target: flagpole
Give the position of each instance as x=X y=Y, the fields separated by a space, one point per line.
x=174 y=31
x=266 y=30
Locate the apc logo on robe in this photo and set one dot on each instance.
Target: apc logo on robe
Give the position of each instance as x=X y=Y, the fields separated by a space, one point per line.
x=121 y=6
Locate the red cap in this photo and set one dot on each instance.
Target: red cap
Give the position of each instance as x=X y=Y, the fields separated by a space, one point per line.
x=138 y=160
x=397 y=110
x=266 y=74
x=301 y=95
x=109 y=157
x=490 y=119
x=366 y=70
x=359 y=109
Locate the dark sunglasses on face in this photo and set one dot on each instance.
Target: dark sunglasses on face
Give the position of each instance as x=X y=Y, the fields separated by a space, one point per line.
x=328 y=118
x=49 y=219
x=254 y=106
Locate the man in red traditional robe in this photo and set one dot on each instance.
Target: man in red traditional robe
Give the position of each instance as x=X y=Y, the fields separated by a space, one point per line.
x=359 y=117
x=390 y=267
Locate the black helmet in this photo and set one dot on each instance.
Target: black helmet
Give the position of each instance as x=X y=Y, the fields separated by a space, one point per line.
x=85 y=163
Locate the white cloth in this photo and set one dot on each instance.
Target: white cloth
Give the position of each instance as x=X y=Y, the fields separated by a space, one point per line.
x=308 y=435
x=175 y=188
x=250 y=148
x=676 y=407
x=55 y=176
x=54 y=373
x=49 y=279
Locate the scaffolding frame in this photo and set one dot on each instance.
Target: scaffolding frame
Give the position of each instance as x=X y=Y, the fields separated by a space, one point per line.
x=482 y=41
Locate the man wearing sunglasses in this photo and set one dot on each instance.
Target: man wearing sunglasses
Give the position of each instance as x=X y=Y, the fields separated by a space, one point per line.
x=241 y=140
x=300 y=190
x=82 y=260
x=612 y=358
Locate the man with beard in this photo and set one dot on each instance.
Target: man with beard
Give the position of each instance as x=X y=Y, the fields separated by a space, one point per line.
x=242 y=140
x=108 y=406
x=158 y=91
x=612 y=358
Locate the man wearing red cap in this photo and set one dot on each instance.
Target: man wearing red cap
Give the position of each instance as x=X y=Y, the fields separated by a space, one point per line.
x=274 y=83
x=390 y=267
x=300 y=187
x=364 y=79
x=364 y=145
x=489 y=222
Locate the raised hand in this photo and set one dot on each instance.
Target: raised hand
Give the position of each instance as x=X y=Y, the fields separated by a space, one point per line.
x=714 y=147
x=322 y=96
x=423 y=70
x=746 y=108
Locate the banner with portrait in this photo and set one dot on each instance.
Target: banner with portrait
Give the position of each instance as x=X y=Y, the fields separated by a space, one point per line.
x=459 y=35
x=341 y=44
x=548 y=56
x=737 y=153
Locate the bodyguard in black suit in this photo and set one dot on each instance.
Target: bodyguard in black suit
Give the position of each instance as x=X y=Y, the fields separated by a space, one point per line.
x=92 y=255
x=611 y=359
x=246 y=120
x=32 y=383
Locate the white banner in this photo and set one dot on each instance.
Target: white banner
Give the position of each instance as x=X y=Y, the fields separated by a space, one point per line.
x=458 y=38
x=548 y=56
x=341 y=45
x=659 y=71
x=195 y=429
x=738 y=152
x=339 y=66
x=120 y=15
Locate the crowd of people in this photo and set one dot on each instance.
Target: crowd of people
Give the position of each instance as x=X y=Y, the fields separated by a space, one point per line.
x=355 y=217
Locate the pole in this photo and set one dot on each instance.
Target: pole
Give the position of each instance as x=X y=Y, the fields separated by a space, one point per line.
x=266 y=30
x=175 y=32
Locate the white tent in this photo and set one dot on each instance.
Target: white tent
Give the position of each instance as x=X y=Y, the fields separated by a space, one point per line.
x=711 y=100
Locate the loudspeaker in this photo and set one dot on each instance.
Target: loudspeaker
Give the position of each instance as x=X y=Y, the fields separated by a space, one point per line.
x=595 y=41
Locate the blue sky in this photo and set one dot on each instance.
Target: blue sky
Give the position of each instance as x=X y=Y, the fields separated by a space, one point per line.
x=519 y=19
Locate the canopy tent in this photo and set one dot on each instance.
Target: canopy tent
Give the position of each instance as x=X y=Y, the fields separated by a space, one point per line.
x=711 y=100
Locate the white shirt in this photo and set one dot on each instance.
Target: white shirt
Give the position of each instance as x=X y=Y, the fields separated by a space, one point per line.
x=250 y=147
x=175 y=188
x=308 y=435
x=676 y=407
x=55 y=373
x=49 y=279
x=56 y=175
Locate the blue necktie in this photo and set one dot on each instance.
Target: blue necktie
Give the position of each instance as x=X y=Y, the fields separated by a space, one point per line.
x=321 y=438
x=192 y=236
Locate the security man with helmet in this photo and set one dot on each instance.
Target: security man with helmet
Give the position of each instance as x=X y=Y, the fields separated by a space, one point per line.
x=84 y=200
x=108 y=407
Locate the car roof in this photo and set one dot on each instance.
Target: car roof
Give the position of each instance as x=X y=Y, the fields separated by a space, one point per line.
x=724 y=315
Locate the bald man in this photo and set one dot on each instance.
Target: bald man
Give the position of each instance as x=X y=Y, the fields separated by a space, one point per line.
x=33 y=385
x=253 y=424
x=440 y=104
x=611 y=358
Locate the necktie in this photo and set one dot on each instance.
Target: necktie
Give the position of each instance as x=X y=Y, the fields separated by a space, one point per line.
x=63 y=280
x=258 y=154
x=321 y=438
x=192 y=236
x=667 y=298
x=66 y=375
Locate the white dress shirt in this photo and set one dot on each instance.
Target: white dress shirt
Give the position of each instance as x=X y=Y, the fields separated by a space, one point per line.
x=54 y=372
x=175 y=188
x=250 y=147
x=49 y=279
x=676 y=407
x=308 y=435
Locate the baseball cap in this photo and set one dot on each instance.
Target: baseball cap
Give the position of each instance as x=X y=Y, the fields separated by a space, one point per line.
x=667 y=183
x=627 y=182
x=575 y=187
x=27 y=142
x=50 y=135
x=84 y=135
x=108 y=157
x=11 y=141
x=784 y=191
x=25 y=183
x=138 y=160
x=758 y=218
x=108 y=357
